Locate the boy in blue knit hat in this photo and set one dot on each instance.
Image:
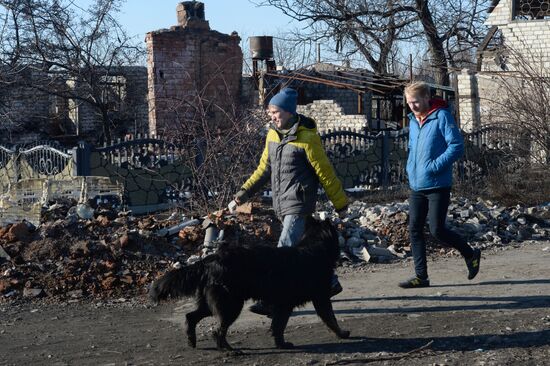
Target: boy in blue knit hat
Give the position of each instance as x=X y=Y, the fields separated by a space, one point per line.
x=295 y=161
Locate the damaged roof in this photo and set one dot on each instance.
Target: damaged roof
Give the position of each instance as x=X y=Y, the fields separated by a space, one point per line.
x=358 y=80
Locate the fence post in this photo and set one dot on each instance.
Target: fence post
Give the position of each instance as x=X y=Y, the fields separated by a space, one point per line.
x=82 y=158
x=17 y=163
x=385 y=158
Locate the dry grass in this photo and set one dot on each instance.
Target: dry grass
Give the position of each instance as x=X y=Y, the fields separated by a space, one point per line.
x=527 y=186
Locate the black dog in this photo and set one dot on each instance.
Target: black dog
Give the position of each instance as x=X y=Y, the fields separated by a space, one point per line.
x=283 y=277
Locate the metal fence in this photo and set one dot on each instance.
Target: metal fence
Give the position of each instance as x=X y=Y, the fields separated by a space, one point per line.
x=155 y=172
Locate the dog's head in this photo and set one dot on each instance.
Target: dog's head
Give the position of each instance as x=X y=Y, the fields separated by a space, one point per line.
x=322 y=232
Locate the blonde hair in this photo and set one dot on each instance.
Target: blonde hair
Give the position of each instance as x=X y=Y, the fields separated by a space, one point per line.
x=418 y=89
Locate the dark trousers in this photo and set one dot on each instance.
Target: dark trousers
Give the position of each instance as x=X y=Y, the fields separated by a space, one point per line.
x=433 y=204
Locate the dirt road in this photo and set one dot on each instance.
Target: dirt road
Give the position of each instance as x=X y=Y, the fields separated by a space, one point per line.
x=500 y=318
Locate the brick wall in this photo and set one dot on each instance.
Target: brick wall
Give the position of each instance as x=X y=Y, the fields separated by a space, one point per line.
x=346 y=99
x=190 y=65
x=480 y=94
x=330 y=115
x=25 y=113
x=530 y=38
x=132 y=112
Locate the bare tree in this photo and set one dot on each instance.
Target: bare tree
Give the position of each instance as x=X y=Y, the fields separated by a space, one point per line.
x=219 y=142
x=369 y=29
x=292 y=53
x=63 y=50
x=521 y=105
x=449 y=28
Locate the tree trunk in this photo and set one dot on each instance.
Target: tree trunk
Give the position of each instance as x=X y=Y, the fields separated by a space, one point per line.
x=435 y=44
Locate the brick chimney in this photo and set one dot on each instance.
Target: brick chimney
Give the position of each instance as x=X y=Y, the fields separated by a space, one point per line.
x=188 y=62
x=191 y=14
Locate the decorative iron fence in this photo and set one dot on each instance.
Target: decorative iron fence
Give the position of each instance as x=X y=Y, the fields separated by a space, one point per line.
x=379 y=160
x=152 y=171
x=40 y=161
x=367 y=160
x=155 y=171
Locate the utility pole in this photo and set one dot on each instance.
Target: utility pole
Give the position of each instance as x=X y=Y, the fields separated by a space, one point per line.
x=410 y=67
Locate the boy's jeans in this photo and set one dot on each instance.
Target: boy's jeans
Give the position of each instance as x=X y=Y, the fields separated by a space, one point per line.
x=431 y=204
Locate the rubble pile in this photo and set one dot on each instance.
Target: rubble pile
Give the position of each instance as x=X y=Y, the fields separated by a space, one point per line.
x=79 y=251
x=368 y=229
x=87 y=251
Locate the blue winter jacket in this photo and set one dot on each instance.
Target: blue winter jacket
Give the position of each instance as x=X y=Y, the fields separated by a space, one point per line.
x=433 y=148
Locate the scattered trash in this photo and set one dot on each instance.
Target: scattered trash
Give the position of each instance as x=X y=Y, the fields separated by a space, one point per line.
x=84 y=211
x=176 y=228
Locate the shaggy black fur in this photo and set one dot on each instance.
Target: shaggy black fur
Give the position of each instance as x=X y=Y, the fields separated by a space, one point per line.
x=283 y=277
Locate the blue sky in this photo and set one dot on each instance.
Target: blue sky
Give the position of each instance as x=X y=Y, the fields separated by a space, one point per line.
x=141 y=16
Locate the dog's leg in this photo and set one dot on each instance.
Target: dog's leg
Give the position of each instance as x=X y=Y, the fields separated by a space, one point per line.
x=193 y=318
x=323 y=307
x=227 y=309
x=278 y=325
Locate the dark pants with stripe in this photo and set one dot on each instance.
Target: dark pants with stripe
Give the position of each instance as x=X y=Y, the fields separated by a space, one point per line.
x=431 y=204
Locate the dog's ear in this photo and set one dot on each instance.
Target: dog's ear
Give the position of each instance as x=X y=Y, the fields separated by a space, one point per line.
x=310 y=222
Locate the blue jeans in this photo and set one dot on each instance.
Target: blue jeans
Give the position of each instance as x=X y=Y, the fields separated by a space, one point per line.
x=293 y=229
x=432 y=203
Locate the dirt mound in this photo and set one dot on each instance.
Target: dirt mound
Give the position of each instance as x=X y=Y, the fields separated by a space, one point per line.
x=109 y=255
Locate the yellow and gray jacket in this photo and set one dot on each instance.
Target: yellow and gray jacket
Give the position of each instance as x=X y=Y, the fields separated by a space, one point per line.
x=296 y=162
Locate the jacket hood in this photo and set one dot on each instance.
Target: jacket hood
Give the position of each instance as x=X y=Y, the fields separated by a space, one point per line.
x=435 y=105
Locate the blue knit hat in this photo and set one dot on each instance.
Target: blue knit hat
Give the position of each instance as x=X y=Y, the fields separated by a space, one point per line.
x=286 y=99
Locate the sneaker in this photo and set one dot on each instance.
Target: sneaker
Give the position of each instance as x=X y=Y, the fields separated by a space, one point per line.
x=473 y=264
x=260 y=308
x=335 y=289
x=415 y=282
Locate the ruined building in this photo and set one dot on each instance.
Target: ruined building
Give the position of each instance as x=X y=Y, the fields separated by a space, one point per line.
x=28 y=113
x=194 y=73
x=516 y=47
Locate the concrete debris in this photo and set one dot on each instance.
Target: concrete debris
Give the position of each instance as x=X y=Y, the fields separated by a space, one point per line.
x=4 y=255
x=375 y=254
x=90 y=249
x=482 y=222
x=33 y=292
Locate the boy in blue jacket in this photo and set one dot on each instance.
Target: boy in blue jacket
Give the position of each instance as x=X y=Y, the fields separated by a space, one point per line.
x=435 y=143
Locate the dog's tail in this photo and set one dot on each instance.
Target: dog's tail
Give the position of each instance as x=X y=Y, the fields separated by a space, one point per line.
x=179 y=282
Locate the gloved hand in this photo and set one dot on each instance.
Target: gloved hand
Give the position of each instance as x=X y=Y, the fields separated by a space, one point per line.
x=241 y=196
x=342 y=212
x=232 y=206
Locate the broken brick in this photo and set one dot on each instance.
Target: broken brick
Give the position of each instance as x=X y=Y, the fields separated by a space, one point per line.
x=108 y=283
x=245 y=208
x=103 y=221
x=18 y=232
